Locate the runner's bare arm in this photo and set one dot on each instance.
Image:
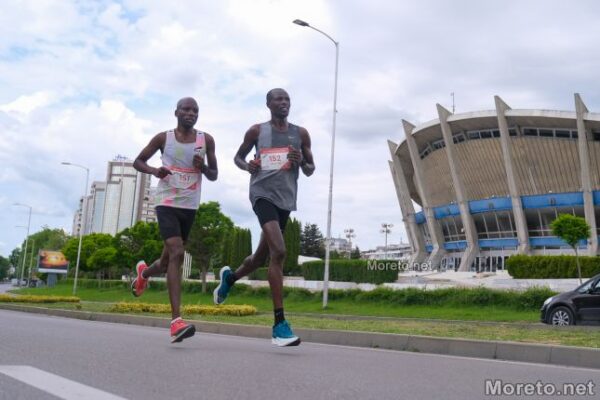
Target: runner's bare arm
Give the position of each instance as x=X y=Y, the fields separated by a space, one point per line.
x=141 y=162
x=308 y=163
x=249 y=142
x=211 y=170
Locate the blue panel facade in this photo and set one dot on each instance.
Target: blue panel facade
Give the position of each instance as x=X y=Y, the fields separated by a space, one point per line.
x=596 y=194
x=429 y=248
x=486 y=205
x=445 y=211
x=498 y=243
x=458 y=245
x=552 y=241
x=420 y=218
x=553 y=200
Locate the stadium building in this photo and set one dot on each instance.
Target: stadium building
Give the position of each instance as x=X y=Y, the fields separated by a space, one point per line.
x=489 y=183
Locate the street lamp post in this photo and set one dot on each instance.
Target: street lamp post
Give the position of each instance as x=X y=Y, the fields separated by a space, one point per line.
x=386 y=229
x=83 y=217
x=349 y=235
x=26 y=239
x=329 y=203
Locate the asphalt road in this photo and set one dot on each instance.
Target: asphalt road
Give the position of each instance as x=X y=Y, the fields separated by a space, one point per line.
x=41 y=355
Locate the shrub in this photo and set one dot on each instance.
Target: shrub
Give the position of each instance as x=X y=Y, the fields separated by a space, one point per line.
x=357 y=271
x=235 y=310
x=551 y=267
x=6 y=298
x=261 y=274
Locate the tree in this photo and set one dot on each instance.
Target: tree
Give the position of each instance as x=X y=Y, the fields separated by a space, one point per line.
x=102 y=261
x=4 y=266
x=355 y=253
x=15 y=260
x=572 y=230
x=237 y=245
x=46 y=239
x=292 y=245
x=207 y=235
x=89 y=244
x=139 y=242
x=311 y=241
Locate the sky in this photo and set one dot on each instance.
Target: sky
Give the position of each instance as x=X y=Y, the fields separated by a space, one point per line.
x=84 y=81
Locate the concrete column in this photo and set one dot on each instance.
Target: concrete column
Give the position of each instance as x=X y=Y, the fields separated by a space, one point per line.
x=417 y=242
x=586 y=180
x=465 y=215
x=513 y=188
x=435 y=230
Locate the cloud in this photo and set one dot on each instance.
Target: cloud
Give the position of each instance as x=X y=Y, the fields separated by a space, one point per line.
x=84 y=81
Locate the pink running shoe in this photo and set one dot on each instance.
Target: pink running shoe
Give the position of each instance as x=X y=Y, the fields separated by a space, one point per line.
x=140 y=283
x=180 y=330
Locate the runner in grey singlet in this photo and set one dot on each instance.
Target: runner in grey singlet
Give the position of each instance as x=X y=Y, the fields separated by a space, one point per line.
x=280 y=187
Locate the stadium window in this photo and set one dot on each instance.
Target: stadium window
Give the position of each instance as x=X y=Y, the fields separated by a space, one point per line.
x=574 y=134
x=530 y=132
x=561 y=133
x=496 y=133
x=458 y=138
x=473 y=135
x=512 y=132
x=596 y=135
x=439 y=144
x=546 y=132
x=486 y=134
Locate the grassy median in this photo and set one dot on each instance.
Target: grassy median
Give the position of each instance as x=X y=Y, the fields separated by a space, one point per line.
x=470 y=322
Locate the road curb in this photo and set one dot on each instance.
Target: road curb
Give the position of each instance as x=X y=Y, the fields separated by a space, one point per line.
x=509 y=351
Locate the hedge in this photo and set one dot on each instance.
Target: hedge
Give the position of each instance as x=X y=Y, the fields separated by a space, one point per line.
x=235 y=310
x=6 y=298
x=357 y=271
x=551 y=267
x=530 y=299
x=261 y=274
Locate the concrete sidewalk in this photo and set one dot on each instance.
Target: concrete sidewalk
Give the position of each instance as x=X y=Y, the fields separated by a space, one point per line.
x=511 y=351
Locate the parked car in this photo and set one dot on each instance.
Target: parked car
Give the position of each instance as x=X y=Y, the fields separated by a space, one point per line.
x=579 y=306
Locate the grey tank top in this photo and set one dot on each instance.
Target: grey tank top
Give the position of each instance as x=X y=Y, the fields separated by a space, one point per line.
x=280 y=187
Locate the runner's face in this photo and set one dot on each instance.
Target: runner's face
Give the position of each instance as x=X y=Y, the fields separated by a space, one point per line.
x=279 y=104
x=187 y=113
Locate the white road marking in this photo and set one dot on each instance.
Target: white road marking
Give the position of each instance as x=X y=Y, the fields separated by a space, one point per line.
x=54 y=384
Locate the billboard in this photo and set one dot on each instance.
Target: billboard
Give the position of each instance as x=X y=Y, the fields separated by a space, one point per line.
x=53 y=262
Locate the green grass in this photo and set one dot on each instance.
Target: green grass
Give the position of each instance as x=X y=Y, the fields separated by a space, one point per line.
x=298 y=304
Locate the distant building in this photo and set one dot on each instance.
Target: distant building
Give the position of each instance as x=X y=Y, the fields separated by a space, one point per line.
x=118 y=203
x=400 y=251
x=341 y=246
x=82 y=217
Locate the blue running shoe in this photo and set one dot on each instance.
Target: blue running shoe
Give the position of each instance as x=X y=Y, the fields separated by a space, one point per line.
x=221 y=291
x=283 y=335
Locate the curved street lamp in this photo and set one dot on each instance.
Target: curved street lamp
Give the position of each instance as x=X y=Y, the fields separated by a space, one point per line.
x=87 y=177
x=329 y=204
x=26 y=237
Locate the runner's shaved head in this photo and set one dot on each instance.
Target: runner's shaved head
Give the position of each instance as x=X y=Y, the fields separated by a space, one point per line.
x=185 y=100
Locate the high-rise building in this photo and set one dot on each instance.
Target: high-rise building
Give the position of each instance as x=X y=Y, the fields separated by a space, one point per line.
x=124 y=199
x=83 y=216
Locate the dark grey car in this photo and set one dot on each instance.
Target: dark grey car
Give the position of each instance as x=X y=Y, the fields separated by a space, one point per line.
x=579 y=306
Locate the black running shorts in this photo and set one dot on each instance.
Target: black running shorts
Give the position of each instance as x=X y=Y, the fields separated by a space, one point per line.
x=174 y=221
x=267 y=211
